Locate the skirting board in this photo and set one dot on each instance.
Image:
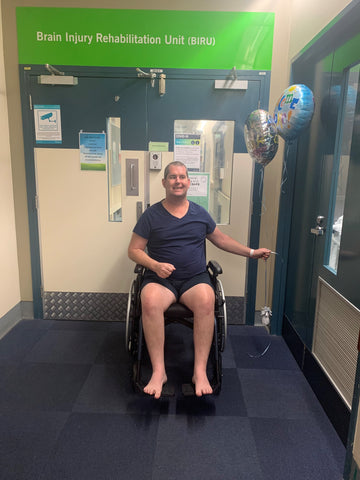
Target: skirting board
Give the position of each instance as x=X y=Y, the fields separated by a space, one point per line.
x=10 y=319
x=21 y=311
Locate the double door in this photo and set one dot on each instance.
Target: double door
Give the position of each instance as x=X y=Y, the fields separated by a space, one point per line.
x=74 y=246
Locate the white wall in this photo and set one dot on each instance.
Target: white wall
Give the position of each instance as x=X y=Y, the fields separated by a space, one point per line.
x=9 y=278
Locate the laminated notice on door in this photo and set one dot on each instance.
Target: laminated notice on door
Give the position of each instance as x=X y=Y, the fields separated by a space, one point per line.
x=47 y=120
x=92 y=148
x=187 y=149
x=199 y=188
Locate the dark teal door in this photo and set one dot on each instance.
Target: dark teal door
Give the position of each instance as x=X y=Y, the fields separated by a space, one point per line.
x=325 y=221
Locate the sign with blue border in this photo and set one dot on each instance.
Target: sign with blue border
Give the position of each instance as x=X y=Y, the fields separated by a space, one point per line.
x=47 y=124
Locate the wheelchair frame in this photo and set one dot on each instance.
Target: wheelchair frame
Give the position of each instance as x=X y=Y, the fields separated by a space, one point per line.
x=179 y=313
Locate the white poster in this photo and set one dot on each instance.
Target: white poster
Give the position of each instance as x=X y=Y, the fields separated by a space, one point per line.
x=47 y=123
x=187 y=149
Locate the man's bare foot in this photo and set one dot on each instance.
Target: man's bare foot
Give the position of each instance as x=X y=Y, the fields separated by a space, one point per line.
x=202 y=385
x=155 y=385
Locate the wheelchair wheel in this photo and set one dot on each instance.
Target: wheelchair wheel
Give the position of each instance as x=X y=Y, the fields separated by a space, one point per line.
x=215 y=366
x=130 y=318
x=218 y=374
x=221 y=315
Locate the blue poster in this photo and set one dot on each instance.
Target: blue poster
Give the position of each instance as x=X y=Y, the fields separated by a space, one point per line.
x=92 y=151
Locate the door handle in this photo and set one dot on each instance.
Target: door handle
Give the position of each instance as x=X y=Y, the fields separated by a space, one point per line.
x=319 y=230
x=132 y=177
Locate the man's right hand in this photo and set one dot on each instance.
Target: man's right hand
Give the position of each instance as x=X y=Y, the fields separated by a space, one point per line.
x=164 y=270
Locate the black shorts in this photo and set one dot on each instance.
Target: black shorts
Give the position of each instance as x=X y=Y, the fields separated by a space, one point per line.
x=178 y=287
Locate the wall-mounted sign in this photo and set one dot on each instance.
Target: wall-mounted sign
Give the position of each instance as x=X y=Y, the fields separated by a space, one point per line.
x=92 y=151
x=187 y=149
x=145 y=38
x=199 y=189
x=47 y=123
x=158 y=146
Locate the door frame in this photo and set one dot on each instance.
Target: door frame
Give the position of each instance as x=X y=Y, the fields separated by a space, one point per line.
x=25 y=71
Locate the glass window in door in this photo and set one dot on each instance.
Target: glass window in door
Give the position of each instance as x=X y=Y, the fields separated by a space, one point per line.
x=114 y=169
x=344 y=136
x=206 y=147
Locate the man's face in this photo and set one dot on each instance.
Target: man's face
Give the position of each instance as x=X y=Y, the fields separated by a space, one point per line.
x=176 y=183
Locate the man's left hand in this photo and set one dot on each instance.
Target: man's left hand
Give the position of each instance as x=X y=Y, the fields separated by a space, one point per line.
x=261 y=253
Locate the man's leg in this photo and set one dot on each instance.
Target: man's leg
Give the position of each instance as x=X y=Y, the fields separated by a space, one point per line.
x=201 y=300
x=155 y=299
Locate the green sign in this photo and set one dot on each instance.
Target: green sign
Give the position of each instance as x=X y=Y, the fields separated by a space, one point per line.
x=199 y=190
x=145 y=38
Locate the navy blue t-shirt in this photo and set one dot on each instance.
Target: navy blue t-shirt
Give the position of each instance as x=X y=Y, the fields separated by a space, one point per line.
x=179 y=241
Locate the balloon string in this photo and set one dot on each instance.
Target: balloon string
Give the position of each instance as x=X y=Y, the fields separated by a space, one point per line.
x=263 y=207
x=259 y=355
x=284 y=177
x=266 y=282
x=284 y=172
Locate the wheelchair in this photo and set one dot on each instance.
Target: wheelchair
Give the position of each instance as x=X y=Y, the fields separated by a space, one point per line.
x=176 y=313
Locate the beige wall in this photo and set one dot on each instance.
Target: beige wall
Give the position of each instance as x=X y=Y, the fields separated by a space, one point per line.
x=9 y=278
x=308 y=18
x=289 y=37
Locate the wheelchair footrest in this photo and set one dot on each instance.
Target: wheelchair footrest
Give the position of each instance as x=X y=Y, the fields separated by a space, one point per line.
x=188 y=389
x=167 y=390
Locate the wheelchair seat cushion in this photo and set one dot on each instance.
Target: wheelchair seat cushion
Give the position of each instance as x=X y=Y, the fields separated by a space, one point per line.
x=178 y=310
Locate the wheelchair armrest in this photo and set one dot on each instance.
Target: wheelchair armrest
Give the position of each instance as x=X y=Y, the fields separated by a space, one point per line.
x=214 y=267
x=139 y=269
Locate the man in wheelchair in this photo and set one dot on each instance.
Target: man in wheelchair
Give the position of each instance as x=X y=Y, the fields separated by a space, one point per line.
x=169 y=241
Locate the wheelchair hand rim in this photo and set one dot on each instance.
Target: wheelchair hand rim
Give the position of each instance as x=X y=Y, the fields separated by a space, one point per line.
x=128 y=319
x=223 y=307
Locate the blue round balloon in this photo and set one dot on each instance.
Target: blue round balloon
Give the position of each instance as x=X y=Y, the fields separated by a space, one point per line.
x=294 y=111
x=261 y=137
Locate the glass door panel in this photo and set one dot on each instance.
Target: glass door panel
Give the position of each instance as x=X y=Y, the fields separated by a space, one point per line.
x=341 y=167
x=206 y=148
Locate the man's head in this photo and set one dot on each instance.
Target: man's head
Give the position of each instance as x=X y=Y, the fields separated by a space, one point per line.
x=176 y=164
x=176 y=180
